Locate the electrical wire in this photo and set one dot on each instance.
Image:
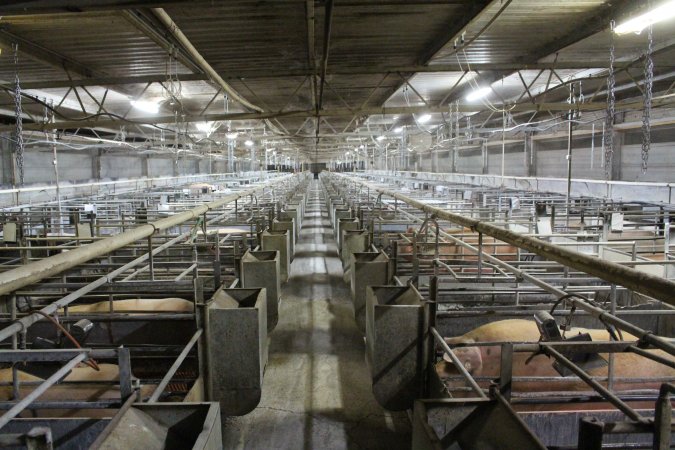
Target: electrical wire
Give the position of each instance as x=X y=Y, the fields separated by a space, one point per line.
x=611 y=329
x=91 y=362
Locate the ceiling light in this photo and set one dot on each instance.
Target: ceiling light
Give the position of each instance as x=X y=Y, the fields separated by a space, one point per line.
x=398 y=129
x=145 y=106
x=380 y=138
x=478 y=94
x=248 y=143
x=637 y=24
x=231 y=135
x=424 y=118
x=205 y=127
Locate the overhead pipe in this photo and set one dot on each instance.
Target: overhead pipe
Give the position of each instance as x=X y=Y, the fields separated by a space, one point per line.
x=34 y=272
x=653 y=286
x=328 y=25
x=168 y=22
x=163 y=17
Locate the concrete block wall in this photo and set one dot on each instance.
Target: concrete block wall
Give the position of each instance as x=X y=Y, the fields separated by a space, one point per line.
x=39 y=167
x=468 y=161
x=83 y=166
x=548 y=157
x=661 y=163
x=514 y=160
x=93 y=171
x=118 y=166
x=160 y=166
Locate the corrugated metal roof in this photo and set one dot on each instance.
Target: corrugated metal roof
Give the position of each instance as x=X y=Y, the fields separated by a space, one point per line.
x=262 y=49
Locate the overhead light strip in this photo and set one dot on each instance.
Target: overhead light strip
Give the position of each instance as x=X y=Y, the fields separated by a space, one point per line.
x=661 y=13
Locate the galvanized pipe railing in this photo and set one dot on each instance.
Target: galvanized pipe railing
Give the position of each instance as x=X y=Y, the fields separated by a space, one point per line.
x=32 y=273
x=643 y=335
x=657 y=287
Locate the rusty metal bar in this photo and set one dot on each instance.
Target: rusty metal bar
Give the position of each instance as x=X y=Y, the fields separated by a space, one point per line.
x=174 y=367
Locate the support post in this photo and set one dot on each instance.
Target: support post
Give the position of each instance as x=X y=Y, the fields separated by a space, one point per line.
x=96 y=164
x=151 y=259
x=530 y=155
x=617 y=155
x=145 y=172
x=124 y=361
x=590 y=434
x=7 y=155
x=480 y=255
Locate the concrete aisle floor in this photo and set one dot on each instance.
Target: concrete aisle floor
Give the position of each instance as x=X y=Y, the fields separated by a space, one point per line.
x=316 y=391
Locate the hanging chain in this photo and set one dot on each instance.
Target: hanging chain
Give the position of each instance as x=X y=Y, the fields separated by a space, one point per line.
x=18 y=116
x=451 y=122
x=456 y=141
x=646 y=112
x=172 y=87
x=608 y=137
x=456 y=118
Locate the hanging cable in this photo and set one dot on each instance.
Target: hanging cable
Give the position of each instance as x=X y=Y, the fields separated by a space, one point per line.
x=646 y=111
x=91 y=362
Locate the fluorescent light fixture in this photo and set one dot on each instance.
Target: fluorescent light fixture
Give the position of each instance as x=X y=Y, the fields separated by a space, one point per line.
x=205 y=127
x=248 y=143
x=637 y=24
x=231 y=135
x=380 y=138
x=398 y=129
x=424 y=118
x=478 y=94
x=145 y=106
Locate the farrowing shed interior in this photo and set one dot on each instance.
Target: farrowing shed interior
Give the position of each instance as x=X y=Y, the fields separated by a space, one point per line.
x=337 y=224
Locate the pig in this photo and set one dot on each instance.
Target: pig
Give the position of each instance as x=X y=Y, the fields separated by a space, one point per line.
x=485 y=361
x=82 y=391
x=82 y=372
x=6 y=377
x=136 y=305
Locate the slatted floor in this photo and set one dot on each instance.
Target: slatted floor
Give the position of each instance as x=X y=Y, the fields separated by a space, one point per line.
x=317 y=392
